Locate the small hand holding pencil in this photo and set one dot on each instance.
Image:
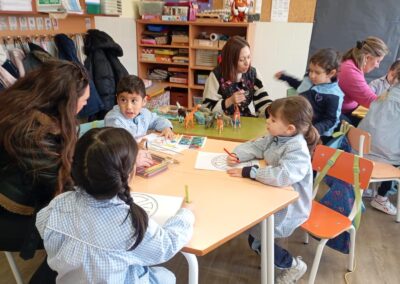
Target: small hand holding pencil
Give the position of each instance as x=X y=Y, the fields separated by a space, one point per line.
x=232 y=159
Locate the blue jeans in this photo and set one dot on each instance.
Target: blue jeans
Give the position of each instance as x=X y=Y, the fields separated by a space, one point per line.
x=282 y=258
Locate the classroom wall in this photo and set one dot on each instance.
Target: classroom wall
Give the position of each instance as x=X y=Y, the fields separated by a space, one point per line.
x=281 y=46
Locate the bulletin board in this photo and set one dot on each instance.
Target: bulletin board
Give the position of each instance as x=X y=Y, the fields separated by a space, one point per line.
x=300 y=11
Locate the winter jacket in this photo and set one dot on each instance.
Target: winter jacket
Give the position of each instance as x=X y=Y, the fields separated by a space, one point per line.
x=67 y=51
x=103 y=65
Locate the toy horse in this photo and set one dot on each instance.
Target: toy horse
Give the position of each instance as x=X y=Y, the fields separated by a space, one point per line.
x=236 y=118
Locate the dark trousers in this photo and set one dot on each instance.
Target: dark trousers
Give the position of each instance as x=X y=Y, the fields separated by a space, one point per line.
x=13 y=230
x=282 y=258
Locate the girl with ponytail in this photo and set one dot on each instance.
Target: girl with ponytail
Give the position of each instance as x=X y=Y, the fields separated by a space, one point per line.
x=97 y=233
x=287 y=150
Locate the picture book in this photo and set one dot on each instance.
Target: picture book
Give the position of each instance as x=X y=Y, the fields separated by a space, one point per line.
x=158 y=207
x=174 y=146
x=217 y=162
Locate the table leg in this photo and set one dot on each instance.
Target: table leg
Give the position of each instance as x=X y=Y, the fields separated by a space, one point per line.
x=193 y=268
x=267 y=250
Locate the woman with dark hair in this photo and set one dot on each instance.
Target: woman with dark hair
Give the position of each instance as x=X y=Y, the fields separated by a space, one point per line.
x=357 y=61
x=236 y=83
x=38 y=132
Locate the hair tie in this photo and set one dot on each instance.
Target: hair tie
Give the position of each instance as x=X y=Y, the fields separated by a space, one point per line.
x=359 y=44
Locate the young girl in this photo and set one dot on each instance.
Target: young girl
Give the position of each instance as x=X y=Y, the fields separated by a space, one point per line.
x=286 y=150
x=380 y=122
x=321 y=89
x=236 y=83
x=97 y=234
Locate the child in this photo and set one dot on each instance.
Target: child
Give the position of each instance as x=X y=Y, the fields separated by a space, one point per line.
x=321 y=89
x=96 y=233
x=130 y=113
x=381 y=85
x=380 y=122
x=286 y=151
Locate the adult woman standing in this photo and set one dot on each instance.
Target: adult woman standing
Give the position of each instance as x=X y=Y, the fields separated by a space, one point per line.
x=38 y=133
x=235 y=82
x=359 y=60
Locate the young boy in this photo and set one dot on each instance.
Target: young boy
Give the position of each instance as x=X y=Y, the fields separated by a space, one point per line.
x=130 y=113
x=383 y=84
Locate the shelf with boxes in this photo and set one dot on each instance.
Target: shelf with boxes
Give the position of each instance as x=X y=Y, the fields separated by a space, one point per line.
x=197 y=44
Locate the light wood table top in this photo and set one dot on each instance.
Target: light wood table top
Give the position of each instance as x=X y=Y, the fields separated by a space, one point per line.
x=224 y=206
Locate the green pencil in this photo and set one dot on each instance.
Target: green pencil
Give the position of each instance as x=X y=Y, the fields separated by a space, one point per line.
x=187 y=194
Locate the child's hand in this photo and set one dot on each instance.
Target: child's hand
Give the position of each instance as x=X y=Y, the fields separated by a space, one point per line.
x=278 y=75
x=232 y=161
x=144 y=159
x=235 y=172
x=167 y=133
x=143 y=144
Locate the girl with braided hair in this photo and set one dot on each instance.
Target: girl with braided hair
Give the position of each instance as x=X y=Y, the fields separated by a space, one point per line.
x=97 y=234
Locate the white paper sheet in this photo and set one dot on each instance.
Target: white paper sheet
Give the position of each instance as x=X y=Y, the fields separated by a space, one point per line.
x=159 y=207
x=217 y=162
x=280 y=10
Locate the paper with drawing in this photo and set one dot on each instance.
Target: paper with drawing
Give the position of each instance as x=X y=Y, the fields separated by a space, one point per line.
x=217 y=162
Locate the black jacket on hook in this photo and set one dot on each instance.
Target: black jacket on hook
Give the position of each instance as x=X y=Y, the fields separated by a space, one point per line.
x=103 y=64
x=67 y=51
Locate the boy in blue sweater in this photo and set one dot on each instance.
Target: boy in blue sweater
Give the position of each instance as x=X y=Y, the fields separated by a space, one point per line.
x=321 y=89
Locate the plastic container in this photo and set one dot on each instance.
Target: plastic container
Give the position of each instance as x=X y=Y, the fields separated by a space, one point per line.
x=151 y=8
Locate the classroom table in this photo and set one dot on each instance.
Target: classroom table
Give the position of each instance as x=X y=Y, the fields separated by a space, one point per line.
x=251 y=127
x=224 y=206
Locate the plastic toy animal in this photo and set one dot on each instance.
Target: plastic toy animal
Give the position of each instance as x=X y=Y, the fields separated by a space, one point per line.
x=220 y=123
x=181 y=114
x=189 y=119
x=239 y=10
x=236 y=118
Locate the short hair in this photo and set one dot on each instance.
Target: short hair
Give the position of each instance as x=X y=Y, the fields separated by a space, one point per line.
x=327 y=58
x=131 y=84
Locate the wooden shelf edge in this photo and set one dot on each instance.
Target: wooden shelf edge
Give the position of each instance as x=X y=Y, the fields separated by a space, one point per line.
x=198 y=67
x=163 y=63
x=205 y=47
x=164 y=45
x=197 y=87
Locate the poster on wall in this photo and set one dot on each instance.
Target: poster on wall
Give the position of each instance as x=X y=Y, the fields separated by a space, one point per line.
x=280 y=10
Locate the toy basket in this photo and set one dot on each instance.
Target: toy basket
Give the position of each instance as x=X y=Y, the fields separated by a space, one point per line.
x=207 y=57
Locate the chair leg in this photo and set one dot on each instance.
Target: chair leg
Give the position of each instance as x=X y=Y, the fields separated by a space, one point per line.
x=306 y=238
x=398 y=201
x=317 y=259
x=352 y=232
x=14 y=268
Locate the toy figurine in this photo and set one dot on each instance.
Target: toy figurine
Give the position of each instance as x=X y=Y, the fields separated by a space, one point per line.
x=239 y=10
x=220 y=123
x=189 y=119
x=181 y=114
x=236 y=117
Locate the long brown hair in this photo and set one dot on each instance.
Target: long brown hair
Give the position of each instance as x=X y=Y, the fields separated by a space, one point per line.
x=370 y=46
x=230 y=57
x=42 y=103
x=103 y=161
x=298 y=111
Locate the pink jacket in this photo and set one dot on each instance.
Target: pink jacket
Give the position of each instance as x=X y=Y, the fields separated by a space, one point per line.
x=354 y=86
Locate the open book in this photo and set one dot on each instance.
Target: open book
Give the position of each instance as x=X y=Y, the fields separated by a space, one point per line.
x=63 y=6
x=159 y=207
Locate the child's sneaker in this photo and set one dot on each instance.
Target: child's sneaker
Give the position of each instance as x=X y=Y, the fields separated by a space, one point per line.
x=383 y=204
x=292 y=274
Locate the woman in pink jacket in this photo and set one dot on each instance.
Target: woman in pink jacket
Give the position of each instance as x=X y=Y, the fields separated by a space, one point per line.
x=359 y=60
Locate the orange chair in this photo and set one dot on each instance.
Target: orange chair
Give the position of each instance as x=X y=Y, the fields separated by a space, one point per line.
x=360 y=141
x=325 y=223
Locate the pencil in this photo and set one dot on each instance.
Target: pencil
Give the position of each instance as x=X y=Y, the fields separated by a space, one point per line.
x=232 y=155
x=187 y=194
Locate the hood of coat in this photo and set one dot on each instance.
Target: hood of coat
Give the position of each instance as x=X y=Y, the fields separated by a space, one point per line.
x=95 y=40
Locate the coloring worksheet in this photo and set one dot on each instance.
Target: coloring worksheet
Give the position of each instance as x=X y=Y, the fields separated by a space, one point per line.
x=217 y=162
x=159 y=207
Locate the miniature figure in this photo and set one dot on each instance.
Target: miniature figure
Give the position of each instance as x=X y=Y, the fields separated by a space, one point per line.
x=220 y=123
x=239 y=10
x=236 y=118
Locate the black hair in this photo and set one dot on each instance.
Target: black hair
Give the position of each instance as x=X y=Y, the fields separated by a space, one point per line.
x=131 y=84
x=104 y=158
x=327 y=58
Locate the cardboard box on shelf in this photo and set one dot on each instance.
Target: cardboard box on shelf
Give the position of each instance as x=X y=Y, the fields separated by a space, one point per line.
x=205 y=42
x=180 y=97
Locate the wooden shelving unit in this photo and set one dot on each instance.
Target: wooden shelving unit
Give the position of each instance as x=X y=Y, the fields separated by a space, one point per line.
x=194 y=30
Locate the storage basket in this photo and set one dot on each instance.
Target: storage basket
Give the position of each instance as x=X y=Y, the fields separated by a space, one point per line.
x=207 y=57
x=161 y=39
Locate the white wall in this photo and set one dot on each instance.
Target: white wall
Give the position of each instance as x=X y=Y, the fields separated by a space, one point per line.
x=123 y=31
x=280 y=46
